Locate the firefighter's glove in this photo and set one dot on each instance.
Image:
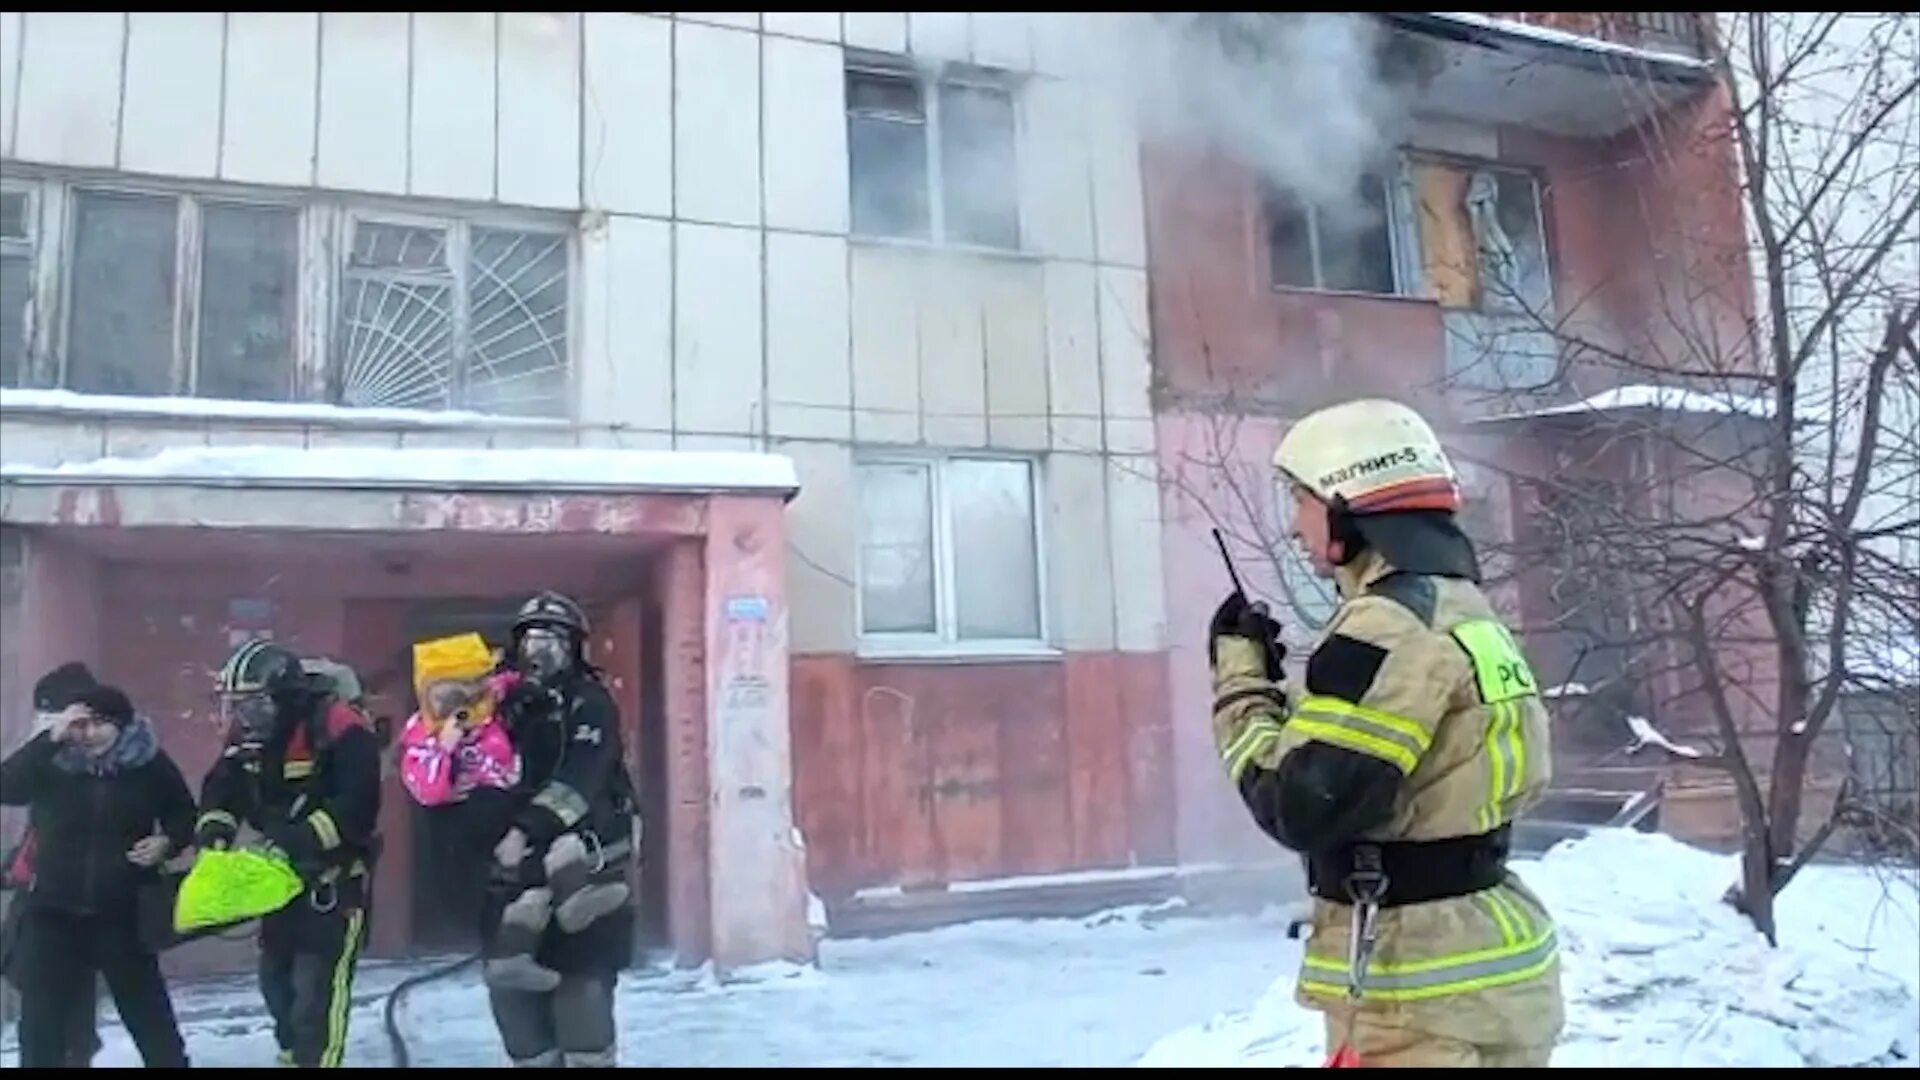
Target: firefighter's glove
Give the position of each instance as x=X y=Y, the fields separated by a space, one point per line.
x=1237 y=618
x=214 y=833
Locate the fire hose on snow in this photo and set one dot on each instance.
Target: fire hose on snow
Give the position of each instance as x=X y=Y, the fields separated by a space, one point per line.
x=396 y=1042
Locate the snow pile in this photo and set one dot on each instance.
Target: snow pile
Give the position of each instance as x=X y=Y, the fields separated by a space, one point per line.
x=602 y=470
x=94 y=405
x=1657 y=971
x=1663 y=398
x=1645 y=735
x=1548 y=35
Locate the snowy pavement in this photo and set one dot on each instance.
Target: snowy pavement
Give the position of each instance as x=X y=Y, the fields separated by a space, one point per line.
x=1091 y=991
x=1657 y=972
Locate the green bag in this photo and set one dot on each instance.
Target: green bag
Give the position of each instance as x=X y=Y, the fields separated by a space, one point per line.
x=234 y=886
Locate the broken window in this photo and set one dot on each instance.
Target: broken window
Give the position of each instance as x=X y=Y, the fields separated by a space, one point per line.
x=949 y=552
x=17 y=233
x=1481 y=243
x=447 y=315
x=127 y=294
x=932 y=158
x=1345 y=246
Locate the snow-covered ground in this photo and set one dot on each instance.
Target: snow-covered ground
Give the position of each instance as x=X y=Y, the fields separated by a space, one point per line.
x=1092 y=991
x=1657 y=972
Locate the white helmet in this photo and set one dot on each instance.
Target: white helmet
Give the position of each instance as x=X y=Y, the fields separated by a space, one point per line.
x=1375 y=456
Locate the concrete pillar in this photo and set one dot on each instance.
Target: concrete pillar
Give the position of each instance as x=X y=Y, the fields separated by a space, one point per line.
x=680 y=584
x=758 y=875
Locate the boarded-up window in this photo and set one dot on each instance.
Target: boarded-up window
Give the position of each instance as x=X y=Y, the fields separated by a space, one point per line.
x=1346 y=246
x=1481 y=244
x=949 y=551
x=932 y=159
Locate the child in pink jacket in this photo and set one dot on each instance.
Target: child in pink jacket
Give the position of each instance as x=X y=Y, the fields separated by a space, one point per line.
x=457 y=749
x=442 y=762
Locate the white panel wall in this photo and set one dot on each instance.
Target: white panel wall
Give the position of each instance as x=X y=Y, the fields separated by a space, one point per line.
x=1013 y=307
x=1125 y=376
x=1073 y=356
x=173 y=88
x=806 y=135
x=738 y=20
x=953 y=374
x=816 y=25
x=881 y=31
x=363 y=93
x=822 y=539
x=540 y=108
x=1079 y=571
x=716 y=347
x=626 y=333
x=629 y=113
x=272 y=59
x=716 y=104
x=1117 y=204
x=11 y=23
x=1133 y=499
x=886 y=362
x=539 y=149
x=453 y=104
x=1000 y=40
x=1056 y=204
x=69 y=105
x=809 y=378
x=938 y=35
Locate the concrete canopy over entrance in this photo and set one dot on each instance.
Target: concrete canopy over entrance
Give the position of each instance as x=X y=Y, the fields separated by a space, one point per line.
x=151 y=569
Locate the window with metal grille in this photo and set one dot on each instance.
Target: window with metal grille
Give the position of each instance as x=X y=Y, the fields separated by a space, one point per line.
x=447 y=314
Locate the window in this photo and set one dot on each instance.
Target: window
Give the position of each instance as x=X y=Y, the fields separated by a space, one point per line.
x=127 y=294
x=447 y=315
x=17 y=231
x=1346 y=247
x=1482 y=246
x=949 y=552
x=221 y=294
x=932 y=158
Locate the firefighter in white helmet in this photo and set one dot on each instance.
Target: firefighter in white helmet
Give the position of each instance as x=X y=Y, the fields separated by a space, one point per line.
x=1398 y=767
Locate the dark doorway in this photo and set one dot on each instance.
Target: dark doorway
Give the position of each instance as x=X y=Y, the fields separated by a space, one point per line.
x=652 y=940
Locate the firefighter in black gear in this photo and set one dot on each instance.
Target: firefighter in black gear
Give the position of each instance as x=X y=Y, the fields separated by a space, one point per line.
x=301 y=768
x=570 y=836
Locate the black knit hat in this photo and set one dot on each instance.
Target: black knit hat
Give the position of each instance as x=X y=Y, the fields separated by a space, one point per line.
x=62 y=686
x=108 y=703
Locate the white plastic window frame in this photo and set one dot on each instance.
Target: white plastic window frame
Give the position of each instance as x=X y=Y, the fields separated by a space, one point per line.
x=945 y=642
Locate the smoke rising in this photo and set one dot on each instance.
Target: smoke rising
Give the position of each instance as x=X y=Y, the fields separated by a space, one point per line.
x=1308 y=100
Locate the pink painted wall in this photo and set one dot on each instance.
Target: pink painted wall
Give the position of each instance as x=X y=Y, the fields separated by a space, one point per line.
x=51 y=616
x=1195 y=453
x=758 y=872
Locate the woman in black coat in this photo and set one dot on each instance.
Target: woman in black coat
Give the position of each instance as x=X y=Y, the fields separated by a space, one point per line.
x=106 y=806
